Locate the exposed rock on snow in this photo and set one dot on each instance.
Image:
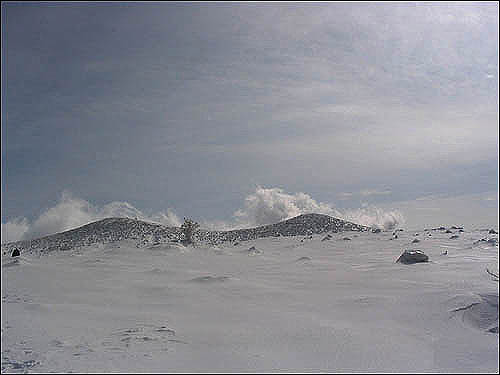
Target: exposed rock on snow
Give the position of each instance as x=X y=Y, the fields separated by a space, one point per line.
x=253 y=251
x=412 y=256
x=303 y=259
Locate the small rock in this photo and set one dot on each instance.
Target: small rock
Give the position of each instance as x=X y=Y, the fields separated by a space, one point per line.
x=412 y=256
x=346 y=239
x=454 y=237
x=448 y=231
x=327 y=238
x=376 y=230
x=492 y=231
x=416 y=240
x=492 y=241
x=253 y=251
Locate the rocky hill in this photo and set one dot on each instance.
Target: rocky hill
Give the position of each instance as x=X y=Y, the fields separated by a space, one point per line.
x=145 y=234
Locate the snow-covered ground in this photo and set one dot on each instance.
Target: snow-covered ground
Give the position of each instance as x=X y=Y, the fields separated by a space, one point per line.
x=296 y=304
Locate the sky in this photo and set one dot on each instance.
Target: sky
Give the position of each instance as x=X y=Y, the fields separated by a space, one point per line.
x=166 y=110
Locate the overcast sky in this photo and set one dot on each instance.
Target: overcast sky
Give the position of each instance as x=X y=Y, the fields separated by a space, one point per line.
x=191 y=106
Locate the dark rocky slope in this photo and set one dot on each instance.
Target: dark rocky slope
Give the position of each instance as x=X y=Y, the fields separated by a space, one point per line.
x=145 y=234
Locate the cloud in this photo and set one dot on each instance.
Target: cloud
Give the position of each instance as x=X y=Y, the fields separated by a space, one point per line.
x=14 y=230
x=367 y=192
x=264 y=206
x=267 y=206
x=376 y=217
x=71 y=212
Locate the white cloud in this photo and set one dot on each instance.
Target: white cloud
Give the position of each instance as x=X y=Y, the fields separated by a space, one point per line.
x=14 y=230
x=267 y=206
x=71 y=212
x=375 y=217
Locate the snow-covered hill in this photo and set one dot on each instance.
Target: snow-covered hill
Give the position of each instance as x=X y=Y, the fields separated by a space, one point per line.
x=145 y=233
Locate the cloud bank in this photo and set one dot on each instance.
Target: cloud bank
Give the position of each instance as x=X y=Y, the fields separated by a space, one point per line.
x=264 y=206
x=71 y=212
x=267 y=206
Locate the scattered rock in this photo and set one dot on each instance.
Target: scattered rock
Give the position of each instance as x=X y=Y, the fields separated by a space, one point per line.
x=412 y=256
x=253 y=251
x=492 y=241
x=327 y=238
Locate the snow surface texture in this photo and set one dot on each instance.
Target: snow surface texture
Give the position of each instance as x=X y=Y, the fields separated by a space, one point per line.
x=133 y=300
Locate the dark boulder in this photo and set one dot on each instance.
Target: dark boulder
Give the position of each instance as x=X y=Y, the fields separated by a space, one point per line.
x=412 y=256
x=15 y=253
x=416 y=240
x=492 y=231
